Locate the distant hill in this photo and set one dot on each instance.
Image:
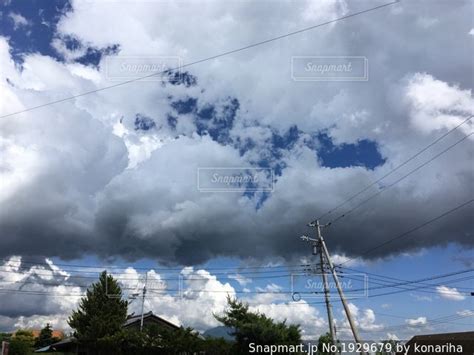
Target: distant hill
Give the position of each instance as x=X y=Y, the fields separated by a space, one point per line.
x=219 y=332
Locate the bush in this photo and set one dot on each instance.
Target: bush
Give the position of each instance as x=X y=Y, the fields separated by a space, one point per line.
x=22 y=343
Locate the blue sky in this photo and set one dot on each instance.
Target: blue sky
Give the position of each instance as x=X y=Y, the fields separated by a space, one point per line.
x=109 y=178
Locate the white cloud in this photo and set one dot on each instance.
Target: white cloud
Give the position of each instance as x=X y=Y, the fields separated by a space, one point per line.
x=367 y=321
x=450 y=293
x=391 y=336
x=268 y=294
x=466 y=313
x=347 y=261
x=68 y=54
x=364 y=319
x=241 y=279
x=416 y=321
x=18 y=20
x=57 y=321
x=436 y=105
x=204 y=295
x=36 y=295
x=471 y=32
x=201 y=295
x=191 y=302
x=312 y=324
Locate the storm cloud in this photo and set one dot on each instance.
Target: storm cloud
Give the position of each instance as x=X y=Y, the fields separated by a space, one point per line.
x=115 y=173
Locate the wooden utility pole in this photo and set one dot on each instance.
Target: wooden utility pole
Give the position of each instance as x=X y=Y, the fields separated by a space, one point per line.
x=326 y=290
x=143 y=300
x=320 y=246
x=317 y=249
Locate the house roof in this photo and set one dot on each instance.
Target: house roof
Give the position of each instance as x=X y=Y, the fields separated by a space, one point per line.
x=136 y=319
x=131 y=319
x=64 y=344
x=445 y=336
x=464 y=339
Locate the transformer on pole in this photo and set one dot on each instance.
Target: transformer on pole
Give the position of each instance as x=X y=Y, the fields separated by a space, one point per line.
x=319 y=247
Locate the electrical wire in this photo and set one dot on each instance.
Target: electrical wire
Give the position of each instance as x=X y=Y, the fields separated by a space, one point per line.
x=384 y=278
x=418 y=153
x=385 y=188
x=410 y=231
x=201 y=60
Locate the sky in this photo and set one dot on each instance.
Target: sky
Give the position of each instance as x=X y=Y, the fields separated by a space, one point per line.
x=125 y=176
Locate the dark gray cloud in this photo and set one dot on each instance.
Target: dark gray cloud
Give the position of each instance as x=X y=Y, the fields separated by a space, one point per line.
x=69 y=193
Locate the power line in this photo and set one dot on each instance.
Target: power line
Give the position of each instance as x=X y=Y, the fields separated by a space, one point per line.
x=417 y=288
x=403 y=287
x=100 y=268
x=156 y=290
x=162 y=292
x=393 y=170
x=427 y=288
x=384 y=278
x=202 y=60
x=402 y=290
x=433 y=321
x=181 y=277
x=80 y=275
x=437 y=318
x=178 y=278
x=385 y=285
x=280 y=292
x=414 y=229
x=227 y=275
x=400 y=179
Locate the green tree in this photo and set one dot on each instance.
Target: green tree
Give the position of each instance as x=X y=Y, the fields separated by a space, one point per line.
x=101 y=312
x=22 y=343
x=45 y=337
x=125 y=341
x=155 y=340
x=249 y=327
x=324 y=339
x=217 y=346
x=5 y=337
x=179 y=341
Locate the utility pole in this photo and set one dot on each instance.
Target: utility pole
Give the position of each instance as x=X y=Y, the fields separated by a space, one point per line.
x=143 y=300
x=332 y=331
x=326 y=290
x=316 y=249
x=324 y=250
